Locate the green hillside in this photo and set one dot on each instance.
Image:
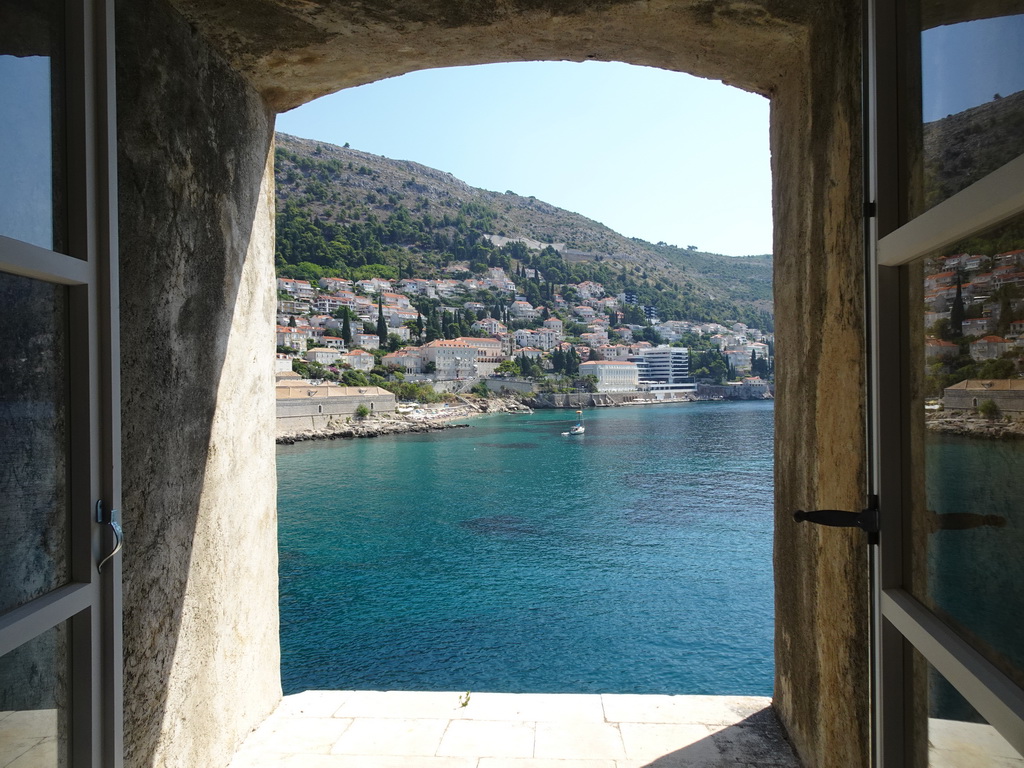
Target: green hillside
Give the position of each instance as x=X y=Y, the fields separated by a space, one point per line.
x=346 y=213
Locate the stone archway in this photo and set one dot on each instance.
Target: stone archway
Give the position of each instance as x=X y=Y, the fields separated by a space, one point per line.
x=198 y=85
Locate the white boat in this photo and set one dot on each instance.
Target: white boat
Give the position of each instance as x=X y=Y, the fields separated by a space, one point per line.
x=577 y=428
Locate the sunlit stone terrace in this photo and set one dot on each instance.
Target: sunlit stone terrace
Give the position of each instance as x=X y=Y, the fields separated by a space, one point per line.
x=374 y=729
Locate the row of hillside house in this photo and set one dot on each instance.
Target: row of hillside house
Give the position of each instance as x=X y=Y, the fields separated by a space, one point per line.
x=395 y=322
x=978 y=277
x=739 y=350
x=357 y=359
x=461 y=358
x=451 y=358
x=584 y=312
x=938 y=350
x=992 y=347
x=589 y=290
x=968 y=395
x=542 y=338
x=523 y=310
x=594 y=339
x=496 y=279
x=300 y=289
x=339 y=293
x=613 y=375
x=298 y=337
x=971 y=262
x=491 y=326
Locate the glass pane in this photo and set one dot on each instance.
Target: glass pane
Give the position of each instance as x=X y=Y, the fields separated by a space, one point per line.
x=33 y=439
x=34 y=699
x=32 y=192
x=972 y=95
x=959 y=737
x=968 y=527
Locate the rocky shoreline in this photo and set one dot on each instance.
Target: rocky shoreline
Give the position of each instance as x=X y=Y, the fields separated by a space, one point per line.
x=433 y=419
x=969 y=425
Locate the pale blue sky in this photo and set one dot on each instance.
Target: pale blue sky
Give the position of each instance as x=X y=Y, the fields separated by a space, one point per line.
x=967 y=64
x=652 y=154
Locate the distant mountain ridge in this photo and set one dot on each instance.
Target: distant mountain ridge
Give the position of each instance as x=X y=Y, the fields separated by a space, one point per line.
x=343 y=211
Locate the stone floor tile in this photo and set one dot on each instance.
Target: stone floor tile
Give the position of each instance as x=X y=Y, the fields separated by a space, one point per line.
x=550 y=707
x=670 y=744
x=407 y=730
x=954 y=743
x=487 y=738
x=12 y=748
x=641 y=708
x=406 y=705
x=579 y=740
x=42 y=754
x=681 y=759
x=762 y=744
x=28 y=724
x=311 y=704
x=391 y=736
x=542 y=762
x=296 y=735
x=249 y=758
x=379 y=761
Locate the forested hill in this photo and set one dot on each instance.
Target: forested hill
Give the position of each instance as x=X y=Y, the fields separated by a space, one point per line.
x=351 y=214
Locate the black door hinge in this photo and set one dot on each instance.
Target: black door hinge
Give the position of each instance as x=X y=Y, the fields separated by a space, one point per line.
x=866 y=520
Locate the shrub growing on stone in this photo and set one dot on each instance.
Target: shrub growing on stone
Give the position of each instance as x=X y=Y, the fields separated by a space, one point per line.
x=989 y=410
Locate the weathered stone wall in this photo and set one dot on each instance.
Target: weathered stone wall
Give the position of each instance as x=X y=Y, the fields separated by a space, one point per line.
x=197 y=302
x=295 y=416
x=295 y=52
x=821 y=574
x=194 y=141
x=1008 y=400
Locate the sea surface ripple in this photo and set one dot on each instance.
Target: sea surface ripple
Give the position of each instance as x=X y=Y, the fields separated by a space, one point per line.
x=506 y=557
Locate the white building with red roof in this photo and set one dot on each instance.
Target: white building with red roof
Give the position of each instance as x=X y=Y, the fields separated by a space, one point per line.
x=452 y=358
x=358 y=359
x=990 y=347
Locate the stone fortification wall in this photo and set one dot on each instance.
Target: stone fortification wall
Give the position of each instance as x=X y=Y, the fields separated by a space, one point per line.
x=1008 y=400
x=735 y=391
x=511 y=385
x=585 y=399
x=309 y=415
x=197 y=287
x=201 y=647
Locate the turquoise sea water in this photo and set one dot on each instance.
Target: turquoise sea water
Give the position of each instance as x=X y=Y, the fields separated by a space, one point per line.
x=506 y=557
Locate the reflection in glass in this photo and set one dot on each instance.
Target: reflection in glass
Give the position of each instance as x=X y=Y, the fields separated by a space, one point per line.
x=957 y=734
x=972 y=96
x=32 y=194
x=33 y=439
x=34 y=702
x=968 y=528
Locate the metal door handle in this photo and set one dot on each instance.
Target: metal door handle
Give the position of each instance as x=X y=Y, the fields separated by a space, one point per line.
x=866 y=520
x=115 y=526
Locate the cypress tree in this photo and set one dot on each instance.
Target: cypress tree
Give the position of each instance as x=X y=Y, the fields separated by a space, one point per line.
x=956 y=312
x=382 y=327
x=433 y=326
x=558 y=361
x=346 y=331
